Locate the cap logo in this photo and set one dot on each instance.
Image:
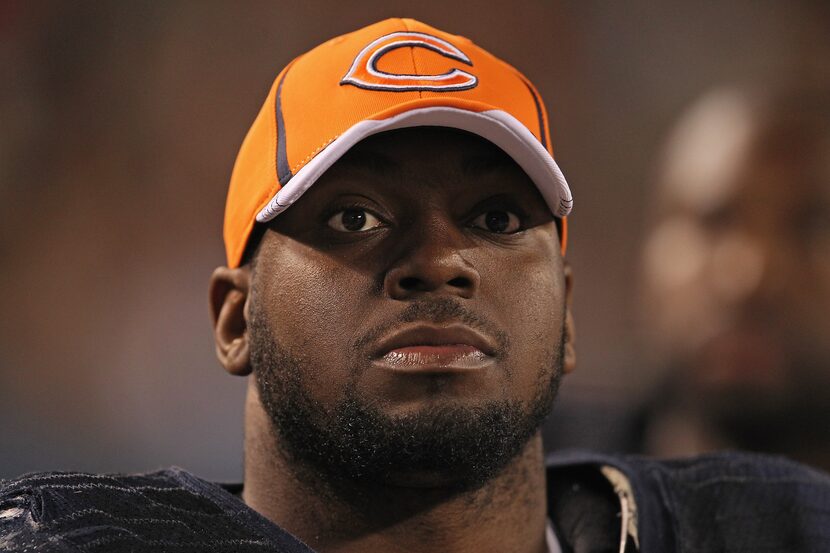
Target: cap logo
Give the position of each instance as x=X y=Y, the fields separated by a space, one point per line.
x=364 y=72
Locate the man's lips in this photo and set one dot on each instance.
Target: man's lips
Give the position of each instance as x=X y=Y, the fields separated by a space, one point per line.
x=441 y=348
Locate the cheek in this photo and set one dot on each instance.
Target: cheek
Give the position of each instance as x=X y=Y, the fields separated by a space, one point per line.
x=311 y=303
x=528 y=303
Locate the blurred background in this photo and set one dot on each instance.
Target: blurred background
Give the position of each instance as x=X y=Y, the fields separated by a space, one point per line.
x=119 y=125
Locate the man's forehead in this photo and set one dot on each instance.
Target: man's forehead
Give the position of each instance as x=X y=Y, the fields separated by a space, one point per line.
x=397 y=150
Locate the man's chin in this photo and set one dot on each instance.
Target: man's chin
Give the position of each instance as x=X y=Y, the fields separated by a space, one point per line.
x=448 y=447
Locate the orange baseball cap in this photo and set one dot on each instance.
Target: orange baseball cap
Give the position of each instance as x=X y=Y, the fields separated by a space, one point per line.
x=395 y=74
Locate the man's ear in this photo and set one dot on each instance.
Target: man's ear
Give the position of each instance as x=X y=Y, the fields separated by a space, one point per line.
x=229 y=293
x=569 y=361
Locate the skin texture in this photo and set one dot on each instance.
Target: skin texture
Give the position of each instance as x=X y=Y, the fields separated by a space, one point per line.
x=308 y=320
x=737 y=278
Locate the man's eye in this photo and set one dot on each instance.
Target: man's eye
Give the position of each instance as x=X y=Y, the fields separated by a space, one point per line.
x=498 y=221
x=353 y=219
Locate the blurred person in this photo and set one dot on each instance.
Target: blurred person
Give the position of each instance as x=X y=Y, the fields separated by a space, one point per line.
x=737 y=277
x=397 y=295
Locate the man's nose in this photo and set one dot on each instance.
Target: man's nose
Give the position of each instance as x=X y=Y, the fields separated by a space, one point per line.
x=433 y=262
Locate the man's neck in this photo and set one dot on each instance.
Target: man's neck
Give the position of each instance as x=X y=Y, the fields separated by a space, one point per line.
x=508 y=513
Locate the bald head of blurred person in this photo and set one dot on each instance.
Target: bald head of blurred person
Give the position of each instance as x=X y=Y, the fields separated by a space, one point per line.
x=737 y=277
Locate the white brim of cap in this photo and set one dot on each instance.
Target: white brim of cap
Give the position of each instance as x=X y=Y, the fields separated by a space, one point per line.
x=499 y=127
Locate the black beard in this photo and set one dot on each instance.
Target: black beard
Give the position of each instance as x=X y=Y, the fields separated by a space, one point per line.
x=355 y=444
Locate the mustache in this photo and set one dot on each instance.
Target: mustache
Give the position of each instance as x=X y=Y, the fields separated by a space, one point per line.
x=437 y=311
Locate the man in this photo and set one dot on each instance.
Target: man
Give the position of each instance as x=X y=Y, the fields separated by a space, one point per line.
x=397 y=295
x=737 y=277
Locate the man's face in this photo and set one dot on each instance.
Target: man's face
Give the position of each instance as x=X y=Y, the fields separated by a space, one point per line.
x=407 y=314
x=739 y=280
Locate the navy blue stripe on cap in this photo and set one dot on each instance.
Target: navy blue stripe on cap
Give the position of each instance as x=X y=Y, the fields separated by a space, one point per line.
x=283 y=170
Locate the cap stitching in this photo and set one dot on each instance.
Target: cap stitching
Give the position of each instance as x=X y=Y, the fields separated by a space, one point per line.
x=314 y=153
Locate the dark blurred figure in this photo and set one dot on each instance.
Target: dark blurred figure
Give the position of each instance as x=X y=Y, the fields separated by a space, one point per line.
x=737 y=278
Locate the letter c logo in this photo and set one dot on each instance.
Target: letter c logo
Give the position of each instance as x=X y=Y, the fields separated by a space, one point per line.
x=364 y=72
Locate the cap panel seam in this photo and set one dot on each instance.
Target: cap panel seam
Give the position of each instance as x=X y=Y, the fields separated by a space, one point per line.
x=540 y=108
x=540 y=115
x=412 y=55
